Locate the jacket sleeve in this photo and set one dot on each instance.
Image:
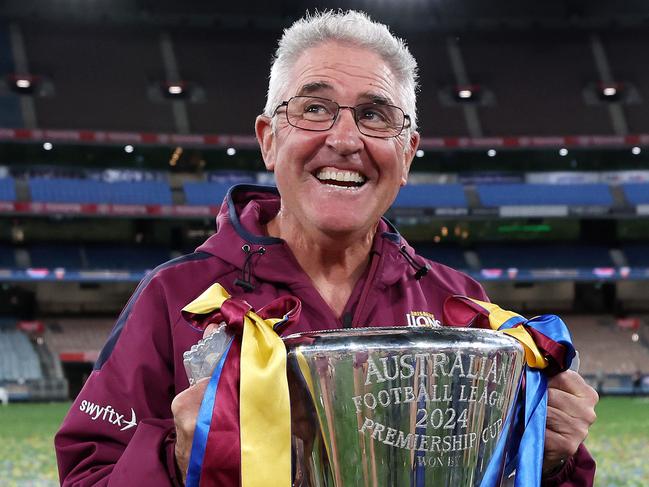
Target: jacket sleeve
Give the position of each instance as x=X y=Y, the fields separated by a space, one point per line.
x=579 y=471
x=120 y=430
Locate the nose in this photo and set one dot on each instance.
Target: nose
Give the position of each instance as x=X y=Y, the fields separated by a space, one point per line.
x=344 y=137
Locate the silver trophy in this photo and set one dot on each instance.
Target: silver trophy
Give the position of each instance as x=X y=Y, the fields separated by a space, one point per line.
x=416 y=406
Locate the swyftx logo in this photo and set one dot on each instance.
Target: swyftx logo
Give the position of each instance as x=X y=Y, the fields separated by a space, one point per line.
x=107 y=413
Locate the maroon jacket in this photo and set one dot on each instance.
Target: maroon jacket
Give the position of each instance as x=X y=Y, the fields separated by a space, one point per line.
x=120 y=429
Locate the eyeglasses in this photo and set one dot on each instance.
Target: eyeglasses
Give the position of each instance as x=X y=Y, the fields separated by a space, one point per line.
x=319 y=114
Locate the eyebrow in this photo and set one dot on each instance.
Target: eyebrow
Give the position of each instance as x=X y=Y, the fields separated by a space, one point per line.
x=316 y=86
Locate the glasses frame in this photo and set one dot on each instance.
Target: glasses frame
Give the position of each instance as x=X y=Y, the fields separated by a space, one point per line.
x=407 y=123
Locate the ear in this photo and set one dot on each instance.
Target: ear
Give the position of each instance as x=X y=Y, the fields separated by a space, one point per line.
x=408 y=155
x=266 y=140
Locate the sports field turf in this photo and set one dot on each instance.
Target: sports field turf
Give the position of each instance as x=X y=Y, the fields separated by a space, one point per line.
x=619 y=441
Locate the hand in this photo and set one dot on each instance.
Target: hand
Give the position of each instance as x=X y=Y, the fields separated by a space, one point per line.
x=185 y=407
x=571 y=411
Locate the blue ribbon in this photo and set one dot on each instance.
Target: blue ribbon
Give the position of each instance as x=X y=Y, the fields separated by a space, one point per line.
x=525 y=453
x=203 y=421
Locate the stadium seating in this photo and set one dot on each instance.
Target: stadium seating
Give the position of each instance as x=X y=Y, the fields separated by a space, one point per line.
x=544 y=194
x=431 y=196
x=124 y=257
x=636 y=193
x=7 y=189
x=637 y=253
x=18 y=360
x=64 y=190
x=444 y=254
x=205 y=193
x=7 y=256
x=539 y=256
x=604 y=348
x=77 y=335
x=59 y=255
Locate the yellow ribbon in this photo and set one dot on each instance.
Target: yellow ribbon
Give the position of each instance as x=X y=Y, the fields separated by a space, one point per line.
x=265 y=413
x=498 y=316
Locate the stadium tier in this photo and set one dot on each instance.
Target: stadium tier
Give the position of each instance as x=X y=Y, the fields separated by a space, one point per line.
x=57 y=190
x=431 y=196
x=540 y=256
x=606 y=348
x=205 y=193
x=77 y=339
x=544 y=194
x=18 y=360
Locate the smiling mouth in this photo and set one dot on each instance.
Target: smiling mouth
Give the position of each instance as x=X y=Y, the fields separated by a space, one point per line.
x=340 y=179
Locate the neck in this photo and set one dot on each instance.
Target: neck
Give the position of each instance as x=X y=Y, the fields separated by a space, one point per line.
x=334 y=262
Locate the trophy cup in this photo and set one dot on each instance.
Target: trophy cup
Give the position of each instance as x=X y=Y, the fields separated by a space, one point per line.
x=416 y=406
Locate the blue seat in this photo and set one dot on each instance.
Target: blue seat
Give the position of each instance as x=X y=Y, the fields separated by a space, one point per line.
x=637 y=253
x=64 y=190
x=636 y=193
x=55 y=255
x=544 y=194
x=204 y=193
x=127 y=257
x=445 y=254
x=544 y=256
x=7 y=189
x=431 y=196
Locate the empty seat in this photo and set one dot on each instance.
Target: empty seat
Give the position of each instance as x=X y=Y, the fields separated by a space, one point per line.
x=431 y=196
x=64 y=190
x=125 y=257
x=540 y=256
x=204 y=193
x=7 y=189
x=544 y=194
x=636 y=193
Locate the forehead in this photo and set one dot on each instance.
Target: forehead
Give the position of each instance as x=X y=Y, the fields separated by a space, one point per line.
x=346 y=73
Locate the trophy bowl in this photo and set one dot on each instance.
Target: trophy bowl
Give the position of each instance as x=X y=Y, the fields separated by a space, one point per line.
x=401 y=406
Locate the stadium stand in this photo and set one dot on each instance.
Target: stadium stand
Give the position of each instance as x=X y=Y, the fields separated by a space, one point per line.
x=636 y=253
x=118 y=257
x=99 y=79
x=636 y=193
x=80 y=338
x=431 y=196
x=540 y=256
x=445 y=254
x=524 y=69
x=18 y=360
x=7 y=256
x=62 y=190
x=205 y=193
x=7 y=189
x=544 y=194
x=59 y=255
x=603 y=347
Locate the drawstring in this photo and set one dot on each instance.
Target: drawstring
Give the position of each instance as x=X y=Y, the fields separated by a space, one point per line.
x=246 y=271
x=421 y=270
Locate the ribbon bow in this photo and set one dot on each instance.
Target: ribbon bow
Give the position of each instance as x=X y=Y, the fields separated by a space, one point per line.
x=548 y=350
x=265 y=420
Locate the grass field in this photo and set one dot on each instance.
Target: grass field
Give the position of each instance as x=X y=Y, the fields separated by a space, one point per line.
x=619 y=441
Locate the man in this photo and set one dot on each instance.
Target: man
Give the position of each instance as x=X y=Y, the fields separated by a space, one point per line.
x=339 y=132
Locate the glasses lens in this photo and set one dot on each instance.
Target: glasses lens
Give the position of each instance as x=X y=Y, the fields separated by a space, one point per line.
x=379 y=120
x=311 y=113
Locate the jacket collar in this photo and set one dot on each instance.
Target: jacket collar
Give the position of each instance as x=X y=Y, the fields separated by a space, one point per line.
x=241 y=230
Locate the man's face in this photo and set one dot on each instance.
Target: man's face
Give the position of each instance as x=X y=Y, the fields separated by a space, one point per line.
x=337 y=181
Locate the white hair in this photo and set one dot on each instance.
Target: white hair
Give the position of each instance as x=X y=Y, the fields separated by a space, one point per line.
x=352 y=27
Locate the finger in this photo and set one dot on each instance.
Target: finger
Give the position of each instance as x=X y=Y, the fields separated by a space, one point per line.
x=211 y=328
x=559 y=445
x=190 y=397
x=570 y=381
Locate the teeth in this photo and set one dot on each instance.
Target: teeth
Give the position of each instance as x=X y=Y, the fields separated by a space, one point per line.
x=327 y=174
